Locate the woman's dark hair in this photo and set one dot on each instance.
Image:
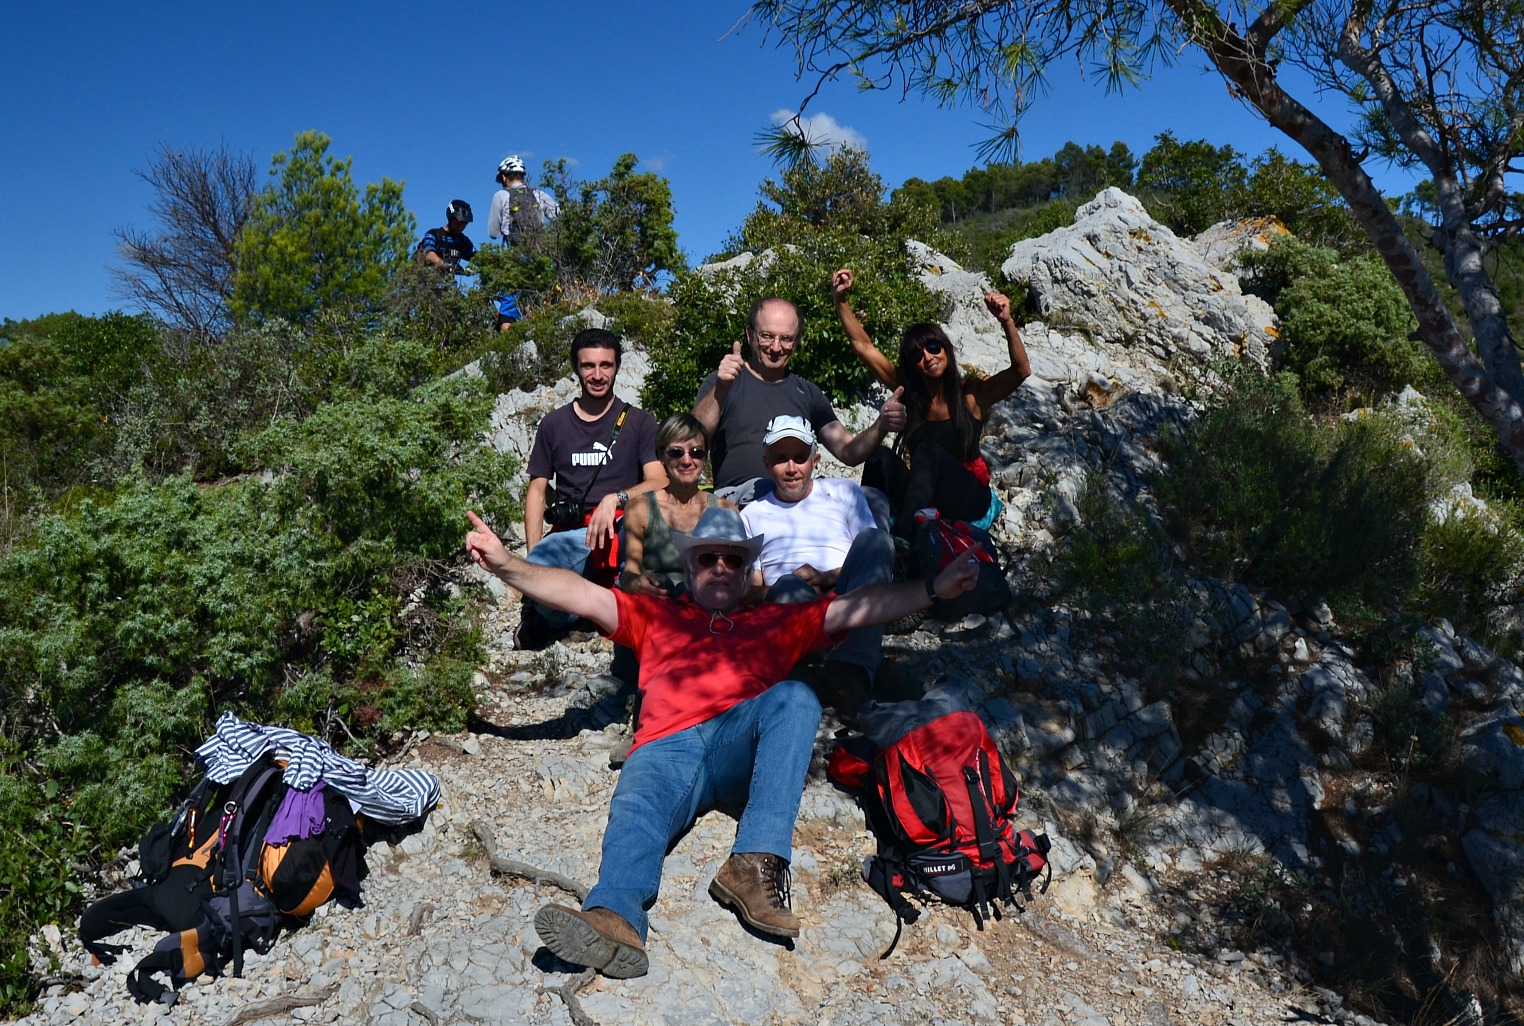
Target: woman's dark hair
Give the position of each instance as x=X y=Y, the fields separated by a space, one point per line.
x=597 y=338
x=677 y=427
x=917 y=397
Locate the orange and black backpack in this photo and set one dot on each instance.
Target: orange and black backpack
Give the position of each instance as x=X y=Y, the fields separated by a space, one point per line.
x=221 y=885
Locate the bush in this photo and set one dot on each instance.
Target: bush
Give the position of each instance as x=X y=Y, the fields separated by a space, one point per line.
x=1471 y=567
x=612 y=235
x=1116 y=562
x=1261 y=492
x=1345 y=322
x=64 y=379
x=129 y=622
x=425 y=306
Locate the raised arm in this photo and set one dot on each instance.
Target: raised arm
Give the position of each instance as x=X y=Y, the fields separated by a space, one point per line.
x=553 y=586
x=707 y=408
x=885 y=603
x=854 y=450
x=877 y=363
x=998 y=386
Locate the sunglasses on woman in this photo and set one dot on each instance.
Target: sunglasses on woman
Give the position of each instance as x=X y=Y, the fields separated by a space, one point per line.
x=698 y=452
x=733 y=560
x=932 y=348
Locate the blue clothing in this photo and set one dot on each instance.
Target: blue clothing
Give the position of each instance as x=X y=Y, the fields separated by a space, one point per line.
x=870 y=560
x=452 y=247
x=755 y=754
x=567 y=549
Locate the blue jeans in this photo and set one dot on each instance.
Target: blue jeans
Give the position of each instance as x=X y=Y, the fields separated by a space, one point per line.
x=566 y=549
x=754 y=754
x=870 y=560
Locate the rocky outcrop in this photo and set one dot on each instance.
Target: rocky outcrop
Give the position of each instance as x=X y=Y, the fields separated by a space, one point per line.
x=1117 y=276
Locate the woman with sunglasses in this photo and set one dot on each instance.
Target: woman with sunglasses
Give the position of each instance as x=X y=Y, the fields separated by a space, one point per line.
x=936 y=460
x=652 y=564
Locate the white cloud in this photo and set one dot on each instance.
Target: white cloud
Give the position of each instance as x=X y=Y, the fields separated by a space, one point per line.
x=824 y=129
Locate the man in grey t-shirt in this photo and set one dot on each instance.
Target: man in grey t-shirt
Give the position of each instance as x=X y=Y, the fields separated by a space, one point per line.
x=736 y=402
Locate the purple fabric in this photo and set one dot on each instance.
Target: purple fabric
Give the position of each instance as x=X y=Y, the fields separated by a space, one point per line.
x=300 y=816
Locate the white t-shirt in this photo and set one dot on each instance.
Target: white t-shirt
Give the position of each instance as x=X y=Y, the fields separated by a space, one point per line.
x=818 y=529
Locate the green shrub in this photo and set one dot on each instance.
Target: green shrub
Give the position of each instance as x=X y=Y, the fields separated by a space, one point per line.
x=1261 y=492
x=39 y=849
x=1345 y=322
x=639 y=316
x=128 y=622
x=1116 y=562
x=425 y=306
x=1470 y=562
x=1114 y=556
x=63 y=380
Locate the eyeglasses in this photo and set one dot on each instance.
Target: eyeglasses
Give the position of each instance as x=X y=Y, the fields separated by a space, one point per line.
x=698 y=452
x=733 y=560
x=772 y=336
x=932 y=348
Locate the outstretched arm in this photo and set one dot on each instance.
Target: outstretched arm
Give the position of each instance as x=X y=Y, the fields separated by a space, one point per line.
x=885 y=603
x=854 y=450
x=877 y=363
x=551 y=585
x=997 y=387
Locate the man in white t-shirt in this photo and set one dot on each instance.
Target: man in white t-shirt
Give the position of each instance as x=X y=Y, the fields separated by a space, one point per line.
x=820 y=538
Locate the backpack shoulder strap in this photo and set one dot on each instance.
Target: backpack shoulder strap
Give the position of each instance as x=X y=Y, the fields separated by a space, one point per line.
x=245 y=818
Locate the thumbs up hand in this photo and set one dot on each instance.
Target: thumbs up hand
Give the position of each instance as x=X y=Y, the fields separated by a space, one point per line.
x=730 y=366
x=893 y=412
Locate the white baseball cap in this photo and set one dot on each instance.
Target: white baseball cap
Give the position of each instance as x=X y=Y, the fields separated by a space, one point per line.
x=788 y=426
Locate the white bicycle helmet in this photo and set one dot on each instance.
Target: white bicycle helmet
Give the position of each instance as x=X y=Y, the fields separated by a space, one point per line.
x=511 y=165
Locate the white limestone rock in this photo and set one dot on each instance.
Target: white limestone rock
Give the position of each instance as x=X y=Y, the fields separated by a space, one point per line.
x=1119 y=277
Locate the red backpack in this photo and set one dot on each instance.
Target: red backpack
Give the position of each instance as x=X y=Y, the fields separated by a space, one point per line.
x=940 y=800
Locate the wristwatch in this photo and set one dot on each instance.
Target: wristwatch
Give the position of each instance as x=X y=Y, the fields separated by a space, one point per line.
x=931 y=592
x=623 y=497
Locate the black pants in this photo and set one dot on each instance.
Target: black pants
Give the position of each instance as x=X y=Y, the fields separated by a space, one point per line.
x=171 y=905
x=934 y=478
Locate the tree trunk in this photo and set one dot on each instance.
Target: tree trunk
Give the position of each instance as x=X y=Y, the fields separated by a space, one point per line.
x=1255 y=80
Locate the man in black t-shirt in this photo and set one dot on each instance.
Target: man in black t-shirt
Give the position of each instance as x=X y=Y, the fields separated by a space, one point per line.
x=601 y=452
x=736 y=402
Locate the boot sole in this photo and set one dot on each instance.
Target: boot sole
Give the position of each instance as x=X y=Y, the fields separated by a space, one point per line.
x=573 y=939
x=719 y=892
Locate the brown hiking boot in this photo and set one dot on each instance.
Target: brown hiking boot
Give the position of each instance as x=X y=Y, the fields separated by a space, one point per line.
x=598 y=938
x=755 y=884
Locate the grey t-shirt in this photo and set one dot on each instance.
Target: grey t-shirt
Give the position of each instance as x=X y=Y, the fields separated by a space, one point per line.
x=751 y=402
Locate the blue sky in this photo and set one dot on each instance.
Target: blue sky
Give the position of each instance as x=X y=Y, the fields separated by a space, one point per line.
x=436 y=94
